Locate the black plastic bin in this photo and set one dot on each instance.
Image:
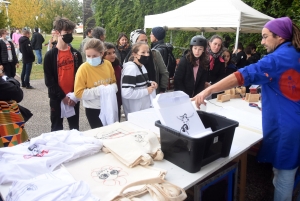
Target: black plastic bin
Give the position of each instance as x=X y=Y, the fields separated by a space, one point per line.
x=192 y=153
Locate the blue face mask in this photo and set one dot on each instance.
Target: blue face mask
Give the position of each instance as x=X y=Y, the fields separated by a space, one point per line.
x=94 y=61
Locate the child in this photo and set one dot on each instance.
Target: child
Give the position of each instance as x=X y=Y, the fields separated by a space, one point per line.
x=94 y=78
x=136 y=86
x=110 y=55
x=192 y=71
x=229 y=65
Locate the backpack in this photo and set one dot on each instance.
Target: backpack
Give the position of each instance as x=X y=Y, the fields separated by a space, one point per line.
x=168 y=57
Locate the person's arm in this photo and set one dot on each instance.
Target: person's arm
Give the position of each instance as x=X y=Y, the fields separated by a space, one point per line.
x=10 y=90
x=163 y=71
x=128 y=85
x=262 y=72
x=226 y=83
x=180 y=75
x=80 y=89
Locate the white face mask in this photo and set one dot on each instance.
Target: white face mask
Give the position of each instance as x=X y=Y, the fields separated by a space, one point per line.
x=94 y=61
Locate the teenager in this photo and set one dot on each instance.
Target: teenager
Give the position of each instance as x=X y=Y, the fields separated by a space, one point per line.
x=192 y=71
x=60 y=66
x=94 y=78
x=135 y=83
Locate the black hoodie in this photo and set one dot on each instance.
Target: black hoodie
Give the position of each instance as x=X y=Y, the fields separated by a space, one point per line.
x=26 y=50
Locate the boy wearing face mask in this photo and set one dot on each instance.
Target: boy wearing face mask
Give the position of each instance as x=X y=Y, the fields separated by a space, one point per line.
x=60 y=66
x=95 y=85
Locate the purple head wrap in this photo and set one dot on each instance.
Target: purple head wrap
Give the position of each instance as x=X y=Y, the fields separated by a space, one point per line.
x=282 y=27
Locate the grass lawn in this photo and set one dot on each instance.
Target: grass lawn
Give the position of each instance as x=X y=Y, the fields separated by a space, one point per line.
x=37 y=71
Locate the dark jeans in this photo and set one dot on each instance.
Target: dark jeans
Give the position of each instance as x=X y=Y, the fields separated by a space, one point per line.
x=10 y=69
x=93 y=117
x=38 y=54
x=25 y=76
x=57 y=121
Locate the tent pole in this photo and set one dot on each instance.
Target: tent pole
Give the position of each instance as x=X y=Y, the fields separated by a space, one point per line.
x=237 y=33
x=237 y=37
x=171 y=37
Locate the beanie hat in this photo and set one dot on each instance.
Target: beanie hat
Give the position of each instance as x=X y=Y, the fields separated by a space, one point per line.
x=282 y=27
x=134 y=35
x=159 y=33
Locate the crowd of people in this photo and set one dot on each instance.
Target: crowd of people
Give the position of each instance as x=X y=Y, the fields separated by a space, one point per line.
x=129 y=73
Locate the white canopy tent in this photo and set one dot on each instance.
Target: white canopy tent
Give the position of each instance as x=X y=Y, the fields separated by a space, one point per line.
x=211 y=16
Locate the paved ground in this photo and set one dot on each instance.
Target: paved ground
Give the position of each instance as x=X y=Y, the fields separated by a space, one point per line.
x=37 y=101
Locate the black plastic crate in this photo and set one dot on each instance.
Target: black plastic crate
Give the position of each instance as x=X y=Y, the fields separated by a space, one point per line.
x=192 y=153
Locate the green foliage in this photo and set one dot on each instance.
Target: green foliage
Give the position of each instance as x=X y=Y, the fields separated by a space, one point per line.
x=127 y=15
x=3 y=19
x=118 y=16
x=71 y=9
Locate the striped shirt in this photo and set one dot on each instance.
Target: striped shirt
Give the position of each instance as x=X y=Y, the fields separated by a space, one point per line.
x=134 y=83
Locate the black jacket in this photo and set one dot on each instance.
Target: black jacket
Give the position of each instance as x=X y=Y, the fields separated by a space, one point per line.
x=122 y=53
x=26 y=50
x=10 y=90
x=51 y=73
x=184 y=77
x=37 y=41
x=240 y=59
x=164 y=51
x=218 y=71
x=4 y=53
x=159 y=45
x=231 y=68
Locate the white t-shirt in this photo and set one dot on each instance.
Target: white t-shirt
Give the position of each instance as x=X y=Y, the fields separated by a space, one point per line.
x=44 y=153
x=58 y=185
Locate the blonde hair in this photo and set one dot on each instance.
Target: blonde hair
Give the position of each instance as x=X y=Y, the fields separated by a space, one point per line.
x=95 y=44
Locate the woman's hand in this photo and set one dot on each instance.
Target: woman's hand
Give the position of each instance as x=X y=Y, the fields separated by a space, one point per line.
x=154 y=85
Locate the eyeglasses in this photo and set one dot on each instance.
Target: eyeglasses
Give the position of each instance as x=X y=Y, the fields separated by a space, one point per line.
x=264 y=37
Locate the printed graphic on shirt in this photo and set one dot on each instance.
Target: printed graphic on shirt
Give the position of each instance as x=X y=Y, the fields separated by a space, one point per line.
x=185 y=120
x=21 y=192
x=103 y=82
x=8 y=46
x=65 y=66
x=109 y=176
x=289 y=84
x=35 y=152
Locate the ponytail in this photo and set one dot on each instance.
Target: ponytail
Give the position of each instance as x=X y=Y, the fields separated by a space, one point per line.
x=296 y=37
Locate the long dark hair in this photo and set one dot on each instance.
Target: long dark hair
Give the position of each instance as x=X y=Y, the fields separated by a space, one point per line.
x=230 y=61
x=203 y=59
x=119 y=38
x=109 y=46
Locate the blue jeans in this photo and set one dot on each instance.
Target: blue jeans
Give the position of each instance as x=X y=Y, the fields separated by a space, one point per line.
x=284 y=184
x=25 y=76
x=38 y=54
